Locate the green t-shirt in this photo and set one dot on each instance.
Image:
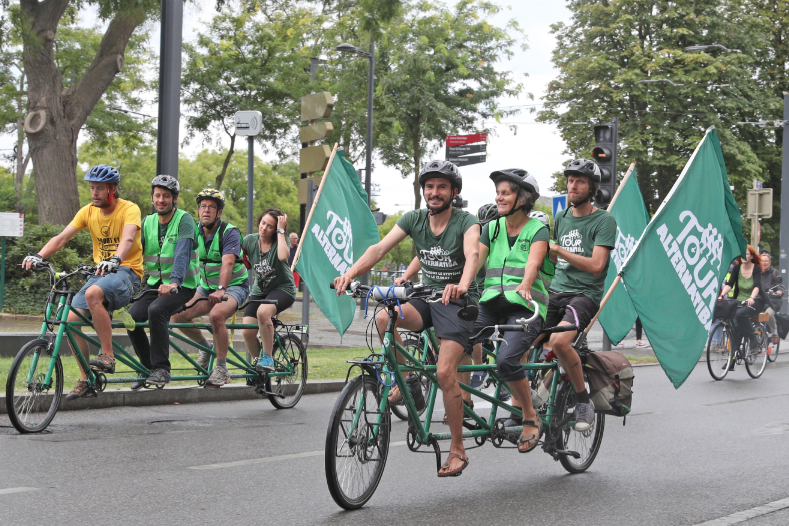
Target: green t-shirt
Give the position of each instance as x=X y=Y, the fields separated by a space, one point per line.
x=268 y=272
x=441 y=257
x=745 y=287
x=580 y=235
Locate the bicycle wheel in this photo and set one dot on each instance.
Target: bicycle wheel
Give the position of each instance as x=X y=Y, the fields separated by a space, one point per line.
x=586 y=443
x=415 y=347
x=292 y=385
x=756 y=359
x=774 y=349
x=356 y=457
x=719 y=352
x=32 y=406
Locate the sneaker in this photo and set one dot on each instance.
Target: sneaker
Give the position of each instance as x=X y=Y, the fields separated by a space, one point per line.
x=104 y=363
x=478 y=378
x=82 y=389
x=584 y=416
x=203 y=358
x=504 y=394
x=137 y=385
x=159 y=377
x=218 y=377
x=622 y=344
x=641 y=345
x=265 y=363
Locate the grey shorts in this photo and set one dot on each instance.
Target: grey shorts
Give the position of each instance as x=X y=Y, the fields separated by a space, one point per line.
x=444 y=319
x=237 y=292
x=118 y=289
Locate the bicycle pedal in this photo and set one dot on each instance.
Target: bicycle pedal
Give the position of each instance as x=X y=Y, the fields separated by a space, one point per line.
x=211 y=386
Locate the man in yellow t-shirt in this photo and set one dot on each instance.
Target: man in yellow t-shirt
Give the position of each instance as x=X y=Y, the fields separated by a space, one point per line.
x=114 y=225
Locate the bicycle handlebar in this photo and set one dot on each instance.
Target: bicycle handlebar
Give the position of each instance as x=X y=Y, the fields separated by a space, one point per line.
x=198 y=300
x=150 y=291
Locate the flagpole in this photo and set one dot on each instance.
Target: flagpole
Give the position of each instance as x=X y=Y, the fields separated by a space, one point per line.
x=312 y=210
x=602 y=303
x=621 y=185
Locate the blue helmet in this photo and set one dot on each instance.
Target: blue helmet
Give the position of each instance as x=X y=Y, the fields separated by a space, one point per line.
x=103 y=173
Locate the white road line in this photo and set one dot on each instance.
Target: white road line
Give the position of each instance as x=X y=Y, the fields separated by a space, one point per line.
x=16 y=490
x=265 y=460
x=742 y=516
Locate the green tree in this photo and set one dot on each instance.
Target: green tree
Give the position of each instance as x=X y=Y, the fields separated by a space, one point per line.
x=402 y=253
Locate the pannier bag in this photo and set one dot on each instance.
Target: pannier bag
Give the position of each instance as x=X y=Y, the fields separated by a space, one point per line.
x=610 y=377
x=725 y=309
x=782 y=321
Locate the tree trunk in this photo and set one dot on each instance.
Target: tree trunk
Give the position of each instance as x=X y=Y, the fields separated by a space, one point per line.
x=417 y=159
x=221 y=177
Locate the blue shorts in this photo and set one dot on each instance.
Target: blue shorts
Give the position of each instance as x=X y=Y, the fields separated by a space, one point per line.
x=118 y=289
x=238 y=292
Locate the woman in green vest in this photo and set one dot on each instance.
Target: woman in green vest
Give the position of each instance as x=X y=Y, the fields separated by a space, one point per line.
x=515 y=248
x=267 y=253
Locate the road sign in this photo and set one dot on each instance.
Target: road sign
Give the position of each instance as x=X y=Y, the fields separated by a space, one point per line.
x=559 y=204
x=314 y=158
x=12 y=224
x=760 y=202
x=316 y=132
x=248 y=123
x=466 y=161
x=457 y=140
x=316 y=106
x=466 y=149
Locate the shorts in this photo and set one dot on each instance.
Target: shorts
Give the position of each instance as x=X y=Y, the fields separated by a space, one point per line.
x=118 y=289
x=237 y=292
x=515 y=344
x=284 y=301
x=444 y=319
x=584 y=307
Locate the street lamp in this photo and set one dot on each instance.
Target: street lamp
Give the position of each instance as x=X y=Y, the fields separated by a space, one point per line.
x=350 y=48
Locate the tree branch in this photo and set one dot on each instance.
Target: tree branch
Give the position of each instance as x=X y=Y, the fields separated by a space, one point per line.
x=221 y=177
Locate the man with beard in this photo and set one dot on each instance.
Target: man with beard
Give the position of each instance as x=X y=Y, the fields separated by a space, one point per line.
x=169 y=244
x=585 y=235
x=447 y=245
x=114 y=226
x=222 y=275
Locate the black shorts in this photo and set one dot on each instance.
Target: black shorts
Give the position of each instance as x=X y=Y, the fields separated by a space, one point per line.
x=284 y=301
x=584 y=307
x=444 y=319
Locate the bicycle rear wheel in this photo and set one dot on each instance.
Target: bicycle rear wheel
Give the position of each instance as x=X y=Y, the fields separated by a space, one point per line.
x=415 y=347
x=774 y=350
x=586 y=443
x=32 y=406
x=291 y=386
x=357 y=443
x=719 y=352
x=756 y=359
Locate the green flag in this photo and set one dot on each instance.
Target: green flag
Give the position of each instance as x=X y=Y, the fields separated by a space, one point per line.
x=341 y=229
x=631 y=216
x=674 y=273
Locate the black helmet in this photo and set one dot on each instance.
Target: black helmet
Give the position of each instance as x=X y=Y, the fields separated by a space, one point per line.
x=584 y=167
x=487 y=213
x=457 y=201
x=167 y=182
x=441 y=169
x=520 y=177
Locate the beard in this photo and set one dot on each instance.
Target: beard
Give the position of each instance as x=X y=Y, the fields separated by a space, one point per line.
x=438 y=209
x=165 y=212
x=582 y=200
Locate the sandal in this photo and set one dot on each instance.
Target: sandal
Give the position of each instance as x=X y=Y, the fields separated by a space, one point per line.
x=530 y=440
x=395 y=396
x=456 y=472
x=104 y=363
x=470 y=405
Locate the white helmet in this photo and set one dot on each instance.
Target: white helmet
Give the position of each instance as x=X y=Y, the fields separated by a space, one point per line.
x=542 y=216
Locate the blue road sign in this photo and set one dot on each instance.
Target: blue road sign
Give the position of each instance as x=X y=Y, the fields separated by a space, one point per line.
x=559 y=204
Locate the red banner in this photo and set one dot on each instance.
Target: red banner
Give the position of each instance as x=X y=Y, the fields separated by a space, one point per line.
x=457 y=140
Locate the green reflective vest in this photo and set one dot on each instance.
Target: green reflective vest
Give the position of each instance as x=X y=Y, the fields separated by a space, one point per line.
x=211 y=261
x=506 y=267
x=159 y=255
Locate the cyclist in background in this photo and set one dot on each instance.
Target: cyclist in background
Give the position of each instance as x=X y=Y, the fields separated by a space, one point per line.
x=114 y=226
x=773 y=285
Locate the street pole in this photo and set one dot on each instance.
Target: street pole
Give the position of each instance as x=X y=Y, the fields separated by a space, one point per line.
x=305 y=298
x=606 y=341
x=169 y=88
x=365 y=278
x=784 y=225
x=251 y=184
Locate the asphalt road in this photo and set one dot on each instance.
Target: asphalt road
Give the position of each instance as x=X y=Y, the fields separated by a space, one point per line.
x=707 y=451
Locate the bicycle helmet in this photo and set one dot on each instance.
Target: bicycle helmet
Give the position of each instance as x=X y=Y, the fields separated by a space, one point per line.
x=167 y=182
x=103 y=173
x=214 y=195
x=441 y=169
x=488 y=212
x=520 y=177
x=541 y=216
x=457 y=201
x=584 y=167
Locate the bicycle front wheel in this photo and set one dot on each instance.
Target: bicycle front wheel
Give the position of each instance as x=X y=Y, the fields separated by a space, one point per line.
x=756 y=359
x=585 y=443
x=290 y=357
x=719 y=352
x=357 y=443
x=32 y=405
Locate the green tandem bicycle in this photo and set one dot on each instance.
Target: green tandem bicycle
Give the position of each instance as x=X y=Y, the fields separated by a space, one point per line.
x=358 y=435
x=35 y=380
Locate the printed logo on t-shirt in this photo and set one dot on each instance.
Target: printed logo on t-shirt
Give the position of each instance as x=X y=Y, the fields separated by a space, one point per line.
x=437 y=257
x=264 y=271
x=571 y=242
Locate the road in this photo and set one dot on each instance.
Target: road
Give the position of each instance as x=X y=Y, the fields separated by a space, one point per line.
x=706 y=451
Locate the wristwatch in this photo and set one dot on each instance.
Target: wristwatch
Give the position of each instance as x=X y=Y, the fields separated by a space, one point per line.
x=280 y=231
x=220 y=287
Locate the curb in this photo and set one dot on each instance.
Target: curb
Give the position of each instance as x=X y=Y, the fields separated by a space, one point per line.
x=177 y=395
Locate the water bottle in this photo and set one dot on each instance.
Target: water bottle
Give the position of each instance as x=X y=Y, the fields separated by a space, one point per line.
x=536 y=400
x=415 y=388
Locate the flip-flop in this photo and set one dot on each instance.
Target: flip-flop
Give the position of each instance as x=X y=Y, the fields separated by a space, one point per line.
x=528 y=439
x=456 y=472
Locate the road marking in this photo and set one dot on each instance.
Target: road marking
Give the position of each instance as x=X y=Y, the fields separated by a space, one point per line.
x=773 y=428
x=16 y=490
x=744 y=400
x=266 y=460
x=742 y=516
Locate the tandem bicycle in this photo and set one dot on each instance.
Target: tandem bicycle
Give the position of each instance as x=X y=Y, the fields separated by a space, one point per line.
x=35 y=380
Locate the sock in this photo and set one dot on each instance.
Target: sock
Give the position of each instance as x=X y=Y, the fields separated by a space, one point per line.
x=204 y=343
x=582 y=397
x=515 y=417
x=223 y=363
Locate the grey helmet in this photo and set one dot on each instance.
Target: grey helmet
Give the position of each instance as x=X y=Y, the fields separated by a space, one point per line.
x=441 y=169
x=520 y=177
x=541 y=216
x=584 y=167
x=168 y=182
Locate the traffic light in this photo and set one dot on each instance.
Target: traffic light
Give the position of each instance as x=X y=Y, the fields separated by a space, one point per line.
x=604 y=154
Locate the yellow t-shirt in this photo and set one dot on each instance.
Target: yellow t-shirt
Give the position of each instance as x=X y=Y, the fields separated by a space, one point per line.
x=106 y=232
